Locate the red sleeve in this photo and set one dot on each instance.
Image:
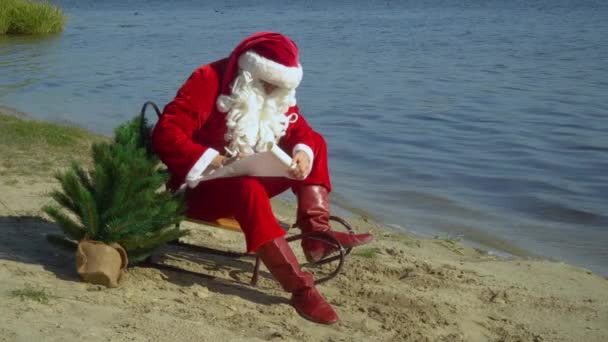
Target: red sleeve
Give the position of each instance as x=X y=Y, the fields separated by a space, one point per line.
x=172 y=135
x=298 y=132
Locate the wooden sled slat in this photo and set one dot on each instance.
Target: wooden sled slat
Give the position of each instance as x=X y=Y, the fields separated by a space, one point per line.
x=229 y=223
x=223 y=223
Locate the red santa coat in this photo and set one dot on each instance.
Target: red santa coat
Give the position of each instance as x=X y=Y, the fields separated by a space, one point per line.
x=191 y=132
x=192 y=123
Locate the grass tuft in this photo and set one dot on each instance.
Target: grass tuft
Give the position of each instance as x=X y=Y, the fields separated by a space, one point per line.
x=15 y=131
x=452 y=243
x=369 y=252
x=30 y=293
x=30 y=17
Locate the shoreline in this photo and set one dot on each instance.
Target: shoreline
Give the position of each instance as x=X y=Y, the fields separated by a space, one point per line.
x=476 y=238
x=488 y=243
x=399 y=288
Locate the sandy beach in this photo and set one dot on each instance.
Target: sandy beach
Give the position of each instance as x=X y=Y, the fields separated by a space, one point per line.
x=399 y=288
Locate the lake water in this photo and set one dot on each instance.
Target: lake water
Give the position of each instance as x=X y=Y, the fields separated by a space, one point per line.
x=473 y=119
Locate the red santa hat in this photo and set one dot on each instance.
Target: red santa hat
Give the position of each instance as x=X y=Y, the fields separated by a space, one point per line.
x=269 y=56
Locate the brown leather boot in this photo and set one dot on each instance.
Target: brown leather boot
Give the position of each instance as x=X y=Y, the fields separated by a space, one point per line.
x=313 y=216
x=308 y=302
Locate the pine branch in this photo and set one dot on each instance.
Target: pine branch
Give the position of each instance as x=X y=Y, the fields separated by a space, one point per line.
x=62 y=242
x=145 y=220
x=66 y=202
x=104 y=188
x=149 y=242
x=144 y=228
x=137 y=256
x=90 y=218
x=83 y=177
x=139 y=252
x=70 y=186
x=69 y=226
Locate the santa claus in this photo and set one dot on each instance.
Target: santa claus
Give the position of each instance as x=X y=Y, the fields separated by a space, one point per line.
x=232 y=108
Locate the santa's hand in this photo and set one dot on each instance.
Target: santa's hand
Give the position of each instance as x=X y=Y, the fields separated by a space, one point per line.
x=218 y=162
x=300 y=165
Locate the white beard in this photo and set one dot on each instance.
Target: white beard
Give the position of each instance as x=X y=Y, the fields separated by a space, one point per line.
x=253 y=118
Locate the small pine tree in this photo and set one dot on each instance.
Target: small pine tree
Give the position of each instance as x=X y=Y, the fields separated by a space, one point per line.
x=120 y=199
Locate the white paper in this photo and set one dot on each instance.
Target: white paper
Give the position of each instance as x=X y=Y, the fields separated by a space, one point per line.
x=272 y=163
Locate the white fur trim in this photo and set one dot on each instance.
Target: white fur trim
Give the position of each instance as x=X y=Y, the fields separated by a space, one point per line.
x=271 y=71
x=194 y=175
x=308 y=151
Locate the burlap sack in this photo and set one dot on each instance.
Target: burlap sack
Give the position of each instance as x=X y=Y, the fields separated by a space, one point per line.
x=101 y=264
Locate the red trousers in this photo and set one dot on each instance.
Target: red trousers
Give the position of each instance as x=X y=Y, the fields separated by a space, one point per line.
x=247 y=199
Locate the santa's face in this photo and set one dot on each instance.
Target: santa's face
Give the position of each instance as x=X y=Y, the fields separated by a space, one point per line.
x=268 y=87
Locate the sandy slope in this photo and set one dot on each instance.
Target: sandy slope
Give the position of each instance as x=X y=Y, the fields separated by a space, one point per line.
x=410 y=290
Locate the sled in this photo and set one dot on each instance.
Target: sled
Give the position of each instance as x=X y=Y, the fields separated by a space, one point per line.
x=231 y=224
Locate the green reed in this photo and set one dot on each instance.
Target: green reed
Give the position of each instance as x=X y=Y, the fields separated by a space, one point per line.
x=30 y=17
